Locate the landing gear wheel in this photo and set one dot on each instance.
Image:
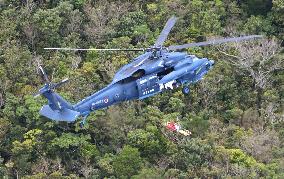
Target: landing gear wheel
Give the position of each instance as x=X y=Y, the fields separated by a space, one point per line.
x=185 y=90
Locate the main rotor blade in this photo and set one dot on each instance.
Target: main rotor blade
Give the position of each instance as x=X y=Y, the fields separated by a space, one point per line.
x=95 y=49
x=213 y=42
x=165 y=32
x=44 y=75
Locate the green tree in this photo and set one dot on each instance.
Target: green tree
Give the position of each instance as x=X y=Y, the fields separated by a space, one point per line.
x=150 y=142
x=127 y=162
x=148 y=173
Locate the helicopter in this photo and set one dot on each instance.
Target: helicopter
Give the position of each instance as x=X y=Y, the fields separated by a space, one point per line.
x=158 y=69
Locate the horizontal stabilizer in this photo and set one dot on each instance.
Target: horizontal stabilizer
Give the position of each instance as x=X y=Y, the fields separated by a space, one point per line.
x=67 y=115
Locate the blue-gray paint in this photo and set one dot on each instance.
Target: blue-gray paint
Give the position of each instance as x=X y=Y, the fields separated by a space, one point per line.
x=157 y=74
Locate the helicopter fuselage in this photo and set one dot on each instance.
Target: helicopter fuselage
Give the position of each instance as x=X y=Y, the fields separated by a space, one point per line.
x=146 y=76
x=158 y=69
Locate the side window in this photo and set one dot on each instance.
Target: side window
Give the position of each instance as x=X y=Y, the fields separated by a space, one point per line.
x=138 y=74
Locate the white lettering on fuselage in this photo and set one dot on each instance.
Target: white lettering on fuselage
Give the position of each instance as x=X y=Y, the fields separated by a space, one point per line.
x=143 y=81
x=148 y=91
x=105 y=100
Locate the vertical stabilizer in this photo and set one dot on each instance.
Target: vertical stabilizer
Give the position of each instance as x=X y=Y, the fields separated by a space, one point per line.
x=58 y=109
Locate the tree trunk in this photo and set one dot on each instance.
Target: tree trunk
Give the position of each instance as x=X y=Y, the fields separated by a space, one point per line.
x=259 y=99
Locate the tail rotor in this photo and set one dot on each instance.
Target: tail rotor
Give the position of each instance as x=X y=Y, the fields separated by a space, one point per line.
x=57 y=109
x=49 y=86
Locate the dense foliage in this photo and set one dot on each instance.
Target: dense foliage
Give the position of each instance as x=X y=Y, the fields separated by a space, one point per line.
x=236 y=114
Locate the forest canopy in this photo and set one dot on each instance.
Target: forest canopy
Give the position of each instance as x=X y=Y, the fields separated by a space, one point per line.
x=235 y=114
